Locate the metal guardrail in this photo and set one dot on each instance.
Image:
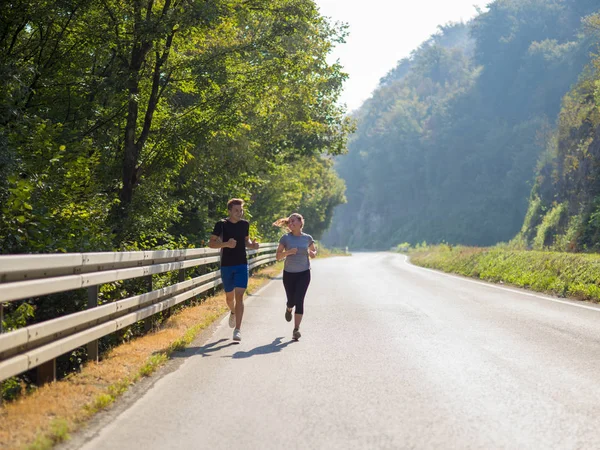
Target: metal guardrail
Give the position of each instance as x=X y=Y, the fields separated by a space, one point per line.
x=27 y=276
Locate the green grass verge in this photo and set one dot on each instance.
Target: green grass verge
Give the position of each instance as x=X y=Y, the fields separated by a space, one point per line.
x=573 y=275
x=59 y=432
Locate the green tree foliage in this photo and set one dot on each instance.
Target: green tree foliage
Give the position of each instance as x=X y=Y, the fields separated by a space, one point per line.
x=564 y=209
x=308 y=186
x=446 y=148
x=129 y=118
x=128 y=124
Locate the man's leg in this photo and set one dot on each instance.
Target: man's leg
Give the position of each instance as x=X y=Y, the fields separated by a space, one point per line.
x=239 y=306
x=229 y=296
x=227 y=275
x=241 y=283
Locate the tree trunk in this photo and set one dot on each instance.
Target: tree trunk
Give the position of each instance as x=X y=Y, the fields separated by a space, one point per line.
x=131 y=148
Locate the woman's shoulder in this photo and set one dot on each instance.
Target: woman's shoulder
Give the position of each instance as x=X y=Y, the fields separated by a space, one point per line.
x=308 y=236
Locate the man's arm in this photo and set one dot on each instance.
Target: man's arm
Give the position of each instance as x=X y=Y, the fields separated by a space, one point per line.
x=249 y=244
x=216 y=242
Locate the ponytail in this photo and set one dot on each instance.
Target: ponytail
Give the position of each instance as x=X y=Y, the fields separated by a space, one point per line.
x=281 y=222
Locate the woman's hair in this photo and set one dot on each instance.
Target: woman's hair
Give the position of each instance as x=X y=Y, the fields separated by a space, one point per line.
x=286 y=220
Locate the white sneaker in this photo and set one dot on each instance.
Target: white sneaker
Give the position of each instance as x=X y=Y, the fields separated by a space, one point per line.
x=237 y=335
x=231 y=320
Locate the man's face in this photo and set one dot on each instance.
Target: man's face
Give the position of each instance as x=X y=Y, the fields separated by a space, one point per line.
x=236 y=212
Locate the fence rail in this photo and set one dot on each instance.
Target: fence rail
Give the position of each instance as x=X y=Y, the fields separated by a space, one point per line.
x=30 y=276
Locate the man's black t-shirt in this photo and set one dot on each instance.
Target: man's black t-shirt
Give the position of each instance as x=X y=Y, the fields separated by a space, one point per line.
x=238 y=231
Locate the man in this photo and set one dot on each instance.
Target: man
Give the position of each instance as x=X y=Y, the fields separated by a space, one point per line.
x=231 y=235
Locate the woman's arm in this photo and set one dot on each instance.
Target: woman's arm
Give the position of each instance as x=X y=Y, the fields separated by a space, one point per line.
x=312 y=250
x=282 y=252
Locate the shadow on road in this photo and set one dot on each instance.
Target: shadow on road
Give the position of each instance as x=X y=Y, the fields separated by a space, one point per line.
x=273 y=347
x=212 y=347
x=205 y=350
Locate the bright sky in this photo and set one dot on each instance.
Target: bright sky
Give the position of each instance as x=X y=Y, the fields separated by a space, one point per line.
x=382 y=32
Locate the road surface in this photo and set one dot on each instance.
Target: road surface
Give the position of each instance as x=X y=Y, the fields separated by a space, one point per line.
x=391 y=356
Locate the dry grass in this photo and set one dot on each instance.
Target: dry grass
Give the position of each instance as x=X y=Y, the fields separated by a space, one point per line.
x=47 y=415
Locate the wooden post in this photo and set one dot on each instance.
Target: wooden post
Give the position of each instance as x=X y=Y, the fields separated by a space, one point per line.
x=92 y=347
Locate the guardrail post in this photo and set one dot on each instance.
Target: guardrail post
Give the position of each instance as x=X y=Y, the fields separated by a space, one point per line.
x=46 y=373
x=180 y=279
x=92 y=347
x=148 y=320
x=1 y=331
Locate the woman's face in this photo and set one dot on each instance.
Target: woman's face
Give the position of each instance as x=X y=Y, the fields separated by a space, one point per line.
x=295 y=224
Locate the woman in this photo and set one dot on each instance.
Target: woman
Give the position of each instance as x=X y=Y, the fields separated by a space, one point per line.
x=296 y=247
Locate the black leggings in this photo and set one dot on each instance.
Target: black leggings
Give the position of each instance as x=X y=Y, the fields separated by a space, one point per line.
x=296 y=284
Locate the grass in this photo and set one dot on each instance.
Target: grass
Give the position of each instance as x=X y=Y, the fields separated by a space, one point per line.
x=573 y=275
x=59 y=432
x=324 y=252
x=41 y=419
x=99 y=403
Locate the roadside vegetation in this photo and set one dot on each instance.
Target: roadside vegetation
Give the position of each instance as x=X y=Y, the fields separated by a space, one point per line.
x=326 y=252
x=573 y=275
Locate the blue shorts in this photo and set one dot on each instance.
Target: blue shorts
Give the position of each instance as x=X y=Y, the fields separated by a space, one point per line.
x=234 y=277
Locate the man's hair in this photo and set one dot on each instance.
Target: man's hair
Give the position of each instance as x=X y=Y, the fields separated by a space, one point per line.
x=234 y=201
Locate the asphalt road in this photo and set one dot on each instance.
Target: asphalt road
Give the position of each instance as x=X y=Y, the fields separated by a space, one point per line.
x=391 y=356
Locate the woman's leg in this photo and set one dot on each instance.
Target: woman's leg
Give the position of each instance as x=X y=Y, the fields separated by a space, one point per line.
x=289 y=286
x=301 y=287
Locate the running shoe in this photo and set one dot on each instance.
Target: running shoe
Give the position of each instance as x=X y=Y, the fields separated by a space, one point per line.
x=237 y=335
x=231 y=320
x=296 y=334
x=288 y=315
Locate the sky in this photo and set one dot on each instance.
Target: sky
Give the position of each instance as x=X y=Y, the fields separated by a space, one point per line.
x=382 y=32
